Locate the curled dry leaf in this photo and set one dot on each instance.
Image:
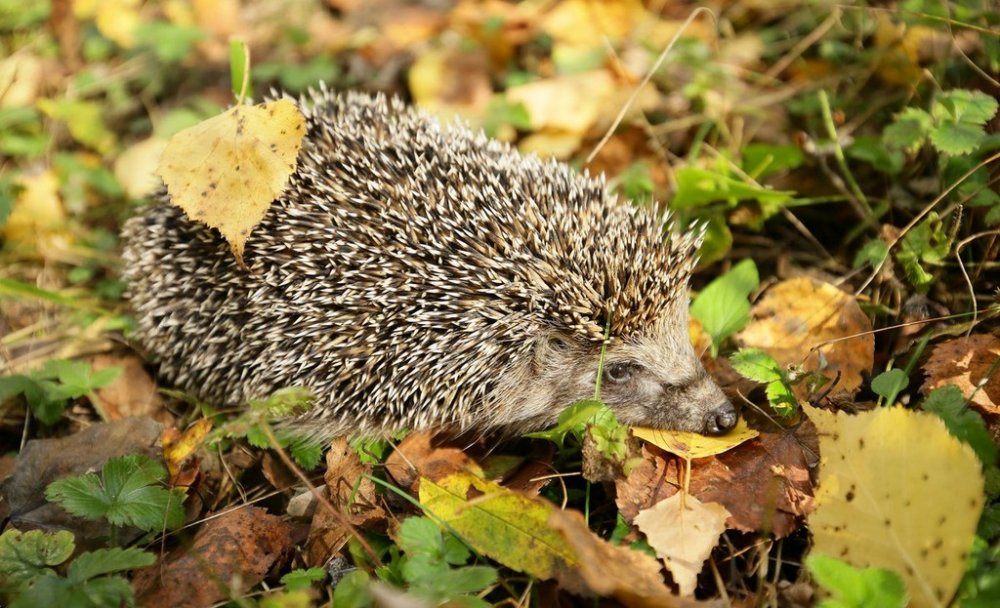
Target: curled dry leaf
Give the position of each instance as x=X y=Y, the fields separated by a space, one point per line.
x=893 y=515
x=964 y=362
x=631 y=577
x=227 y=170
x=132 y=393
x=805 y=321
x=350 y=492
x=763 y=483
x=683 y=531
x=420 y=455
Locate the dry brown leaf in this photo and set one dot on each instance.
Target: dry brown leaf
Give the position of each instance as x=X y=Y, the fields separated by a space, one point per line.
x=683 y=531
x=240 y=546
x=897 y=491
x=965 y=362
x=763 y=483
x=420 y=455
x=799 y=314
x=631 y=577
x=132 y=393
x=226 y=171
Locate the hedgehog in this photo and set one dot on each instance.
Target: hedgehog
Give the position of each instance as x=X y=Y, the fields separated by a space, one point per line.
x=418 y=274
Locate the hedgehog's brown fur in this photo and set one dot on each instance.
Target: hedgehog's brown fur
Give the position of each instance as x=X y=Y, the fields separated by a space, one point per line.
x=415 y=275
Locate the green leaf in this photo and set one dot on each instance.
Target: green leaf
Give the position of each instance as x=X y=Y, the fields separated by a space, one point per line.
x=756 y=365
x=352 y=591
x=871 y=253
x=909 y=130
x=464 y=580
x=722 y=307
x=103 y=592
x=965 y=424
x=889 y=383
x=420 y=535
x=105 y=561
x=957 y=138
x=761 y=160
x=27 y=556
x=238 y=61
x=573 y=419
x=169 y=42
x=85 y=120
x=124 y=495
x=783 y=401
x=299 y=580
x=962 y=105
x=283 y=402
x=697 y=187
x=853 y=588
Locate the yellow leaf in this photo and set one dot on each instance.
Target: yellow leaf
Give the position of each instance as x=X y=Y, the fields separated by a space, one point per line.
x=897 y=491
x=176 y=452
x=227 y=170
x=693 y=445
x=683 y=531
x=84 y=119
x=812 y=323
x=135 y=168
x=509 y=527
x=20 y=78
x=37 y=220
x=118 y=19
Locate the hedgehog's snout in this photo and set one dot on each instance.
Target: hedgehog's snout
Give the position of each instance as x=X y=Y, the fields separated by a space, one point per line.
x=720 y=420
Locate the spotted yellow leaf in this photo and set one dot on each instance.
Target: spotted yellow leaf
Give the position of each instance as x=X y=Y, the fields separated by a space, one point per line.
x=897 y=491
x=693 y=445
x=226 y=171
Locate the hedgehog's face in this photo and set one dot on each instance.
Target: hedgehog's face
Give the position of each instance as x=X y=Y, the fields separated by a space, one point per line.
x=653 y=380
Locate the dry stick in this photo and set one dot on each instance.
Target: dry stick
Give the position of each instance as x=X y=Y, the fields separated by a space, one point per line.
x=340 y=517
x=968 y=281
x=920 y=216
x=649 y=75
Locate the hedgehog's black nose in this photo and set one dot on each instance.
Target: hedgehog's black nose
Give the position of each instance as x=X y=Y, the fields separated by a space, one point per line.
x=721 y=419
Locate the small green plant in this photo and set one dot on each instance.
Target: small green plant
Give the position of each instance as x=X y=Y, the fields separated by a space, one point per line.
x=48 y=390
x=889 y=384
x=255 y=425
x=757 y=365
x=27 y=577
x=434 y=567
x=722 y=307
x=854 y=588
x=129 y=492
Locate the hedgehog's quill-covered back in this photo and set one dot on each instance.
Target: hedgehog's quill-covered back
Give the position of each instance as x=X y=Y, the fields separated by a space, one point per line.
x=416 y=275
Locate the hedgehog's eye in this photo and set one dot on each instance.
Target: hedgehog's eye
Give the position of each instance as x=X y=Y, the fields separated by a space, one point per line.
x=619 y=372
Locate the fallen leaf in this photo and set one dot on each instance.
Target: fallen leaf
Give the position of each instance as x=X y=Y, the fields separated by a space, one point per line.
x=695 y=445
x=84 y=119
x=683 y=531
x=135 y=168
x=630 y=576
x=798 y=315
x=37 y=220
x=764 y=483
x=236 y=549
x=569 y=104
x=507 y=526
x=451 y=82
x=897 y=491
x=20 y=79
x=131 y=393
x=180 y=448
x=226 y=171
x=965 y=362
x=421 y=455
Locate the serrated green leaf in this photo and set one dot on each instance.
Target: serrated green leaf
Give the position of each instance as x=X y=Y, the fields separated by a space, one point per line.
x=957 y=138
x=889 y=383
x=573 y=419
x=306 y=453
x=352 y=591
x=722 y=307
x=966 y=106
x=756 y=365
x=298 y=580
x=781 y=397
x=871 y=253
x=464 y=580
x=29 y=555
x=965 y=424
x=908 y=131
x=125 y=495
x=106 y=561
x=420 y=535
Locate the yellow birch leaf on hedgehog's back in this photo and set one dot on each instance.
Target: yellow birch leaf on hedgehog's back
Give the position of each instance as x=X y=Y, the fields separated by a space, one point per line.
x=226 y=171
x=897 y=491
x=683 y=531
x=694 y=445
x=510 y=527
